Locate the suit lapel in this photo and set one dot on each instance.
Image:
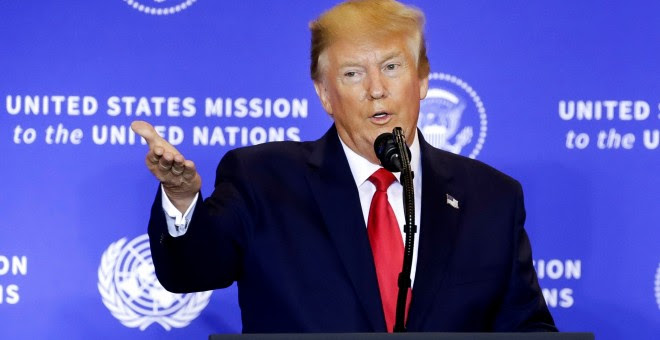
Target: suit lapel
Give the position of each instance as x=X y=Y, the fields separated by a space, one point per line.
x=338 y=199
x=438 y=230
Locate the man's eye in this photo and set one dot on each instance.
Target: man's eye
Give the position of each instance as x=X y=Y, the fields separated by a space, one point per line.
x=391 y=67
x=350 y=74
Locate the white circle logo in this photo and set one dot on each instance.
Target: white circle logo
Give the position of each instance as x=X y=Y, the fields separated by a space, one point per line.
x=451 y=114
x=160 y=7
x=132 y=293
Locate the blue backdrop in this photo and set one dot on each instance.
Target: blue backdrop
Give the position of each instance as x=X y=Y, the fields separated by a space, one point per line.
x=562 y=95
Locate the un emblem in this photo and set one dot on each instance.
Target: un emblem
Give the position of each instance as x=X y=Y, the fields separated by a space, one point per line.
x=130 y=290
x=160 y=7
x=452 y=116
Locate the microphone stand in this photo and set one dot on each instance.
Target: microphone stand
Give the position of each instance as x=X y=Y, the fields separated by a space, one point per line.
x=409 y=228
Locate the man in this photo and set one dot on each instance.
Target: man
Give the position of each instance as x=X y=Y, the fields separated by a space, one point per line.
x=295 y=224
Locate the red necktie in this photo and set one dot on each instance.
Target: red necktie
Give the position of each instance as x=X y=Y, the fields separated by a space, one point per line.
x=386 y=245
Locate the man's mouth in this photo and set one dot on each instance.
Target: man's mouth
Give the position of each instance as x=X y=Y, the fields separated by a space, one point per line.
x=381 y=118
x=380 y=115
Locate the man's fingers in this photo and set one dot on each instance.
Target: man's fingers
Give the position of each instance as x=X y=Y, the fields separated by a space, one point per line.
x=189 y=170
x=165 y=162
x=159 y=151
x=153 y=156
x=146 y=131
x=170 y=166
x=178 y=165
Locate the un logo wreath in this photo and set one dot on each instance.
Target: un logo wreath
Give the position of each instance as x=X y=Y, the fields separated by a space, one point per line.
x=129 y=313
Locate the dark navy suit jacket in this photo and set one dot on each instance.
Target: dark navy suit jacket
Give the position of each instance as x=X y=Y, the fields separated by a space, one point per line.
x=285 y=222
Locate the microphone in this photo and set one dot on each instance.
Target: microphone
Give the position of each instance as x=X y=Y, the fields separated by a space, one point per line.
x=388 y=152
x=388 y=148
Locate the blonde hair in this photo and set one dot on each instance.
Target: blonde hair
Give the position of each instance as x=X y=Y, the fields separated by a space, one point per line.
x=371 y=19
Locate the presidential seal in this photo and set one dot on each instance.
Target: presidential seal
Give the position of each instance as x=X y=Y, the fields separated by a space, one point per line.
x=130 y=290
x=160 y=7
x=452 y=116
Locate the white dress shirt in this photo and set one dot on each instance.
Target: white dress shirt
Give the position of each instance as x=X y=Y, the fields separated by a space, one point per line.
x=362 y=169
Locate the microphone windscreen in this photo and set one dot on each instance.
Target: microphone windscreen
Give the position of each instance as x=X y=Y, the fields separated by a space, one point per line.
x=387 y=152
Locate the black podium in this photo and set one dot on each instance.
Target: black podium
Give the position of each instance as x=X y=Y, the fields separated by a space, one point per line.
x=407 y=336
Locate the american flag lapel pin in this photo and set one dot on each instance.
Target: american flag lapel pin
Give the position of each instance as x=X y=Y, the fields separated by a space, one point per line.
x=452 y=201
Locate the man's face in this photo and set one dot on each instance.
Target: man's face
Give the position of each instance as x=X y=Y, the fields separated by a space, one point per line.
x=369 y=87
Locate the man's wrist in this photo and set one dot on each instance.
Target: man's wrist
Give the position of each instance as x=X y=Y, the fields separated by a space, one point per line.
x=180 y=200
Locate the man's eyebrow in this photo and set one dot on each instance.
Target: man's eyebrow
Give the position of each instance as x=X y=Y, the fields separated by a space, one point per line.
x=391 y=55
x=386 y=57
x=350 y=64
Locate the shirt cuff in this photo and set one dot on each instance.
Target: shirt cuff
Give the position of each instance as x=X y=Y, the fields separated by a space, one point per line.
x=177 y=223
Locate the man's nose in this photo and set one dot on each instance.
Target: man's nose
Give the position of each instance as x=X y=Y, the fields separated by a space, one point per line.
x=376 y=86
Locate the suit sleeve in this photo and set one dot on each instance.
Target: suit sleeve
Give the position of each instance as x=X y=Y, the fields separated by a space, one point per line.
x=523 y=308
x=210 y=254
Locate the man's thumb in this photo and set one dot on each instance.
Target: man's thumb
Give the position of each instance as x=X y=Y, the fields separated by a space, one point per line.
x=145 y=130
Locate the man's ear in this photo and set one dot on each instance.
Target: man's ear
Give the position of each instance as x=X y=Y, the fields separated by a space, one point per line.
x=323 y=96
x=423 y=87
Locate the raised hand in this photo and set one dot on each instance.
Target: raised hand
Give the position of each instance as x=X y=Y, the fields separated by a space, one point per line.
x=177 y=174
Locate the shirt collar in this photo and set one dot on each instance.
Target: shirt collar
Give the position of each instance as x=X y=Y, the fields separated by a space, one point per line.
x=361 y=168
